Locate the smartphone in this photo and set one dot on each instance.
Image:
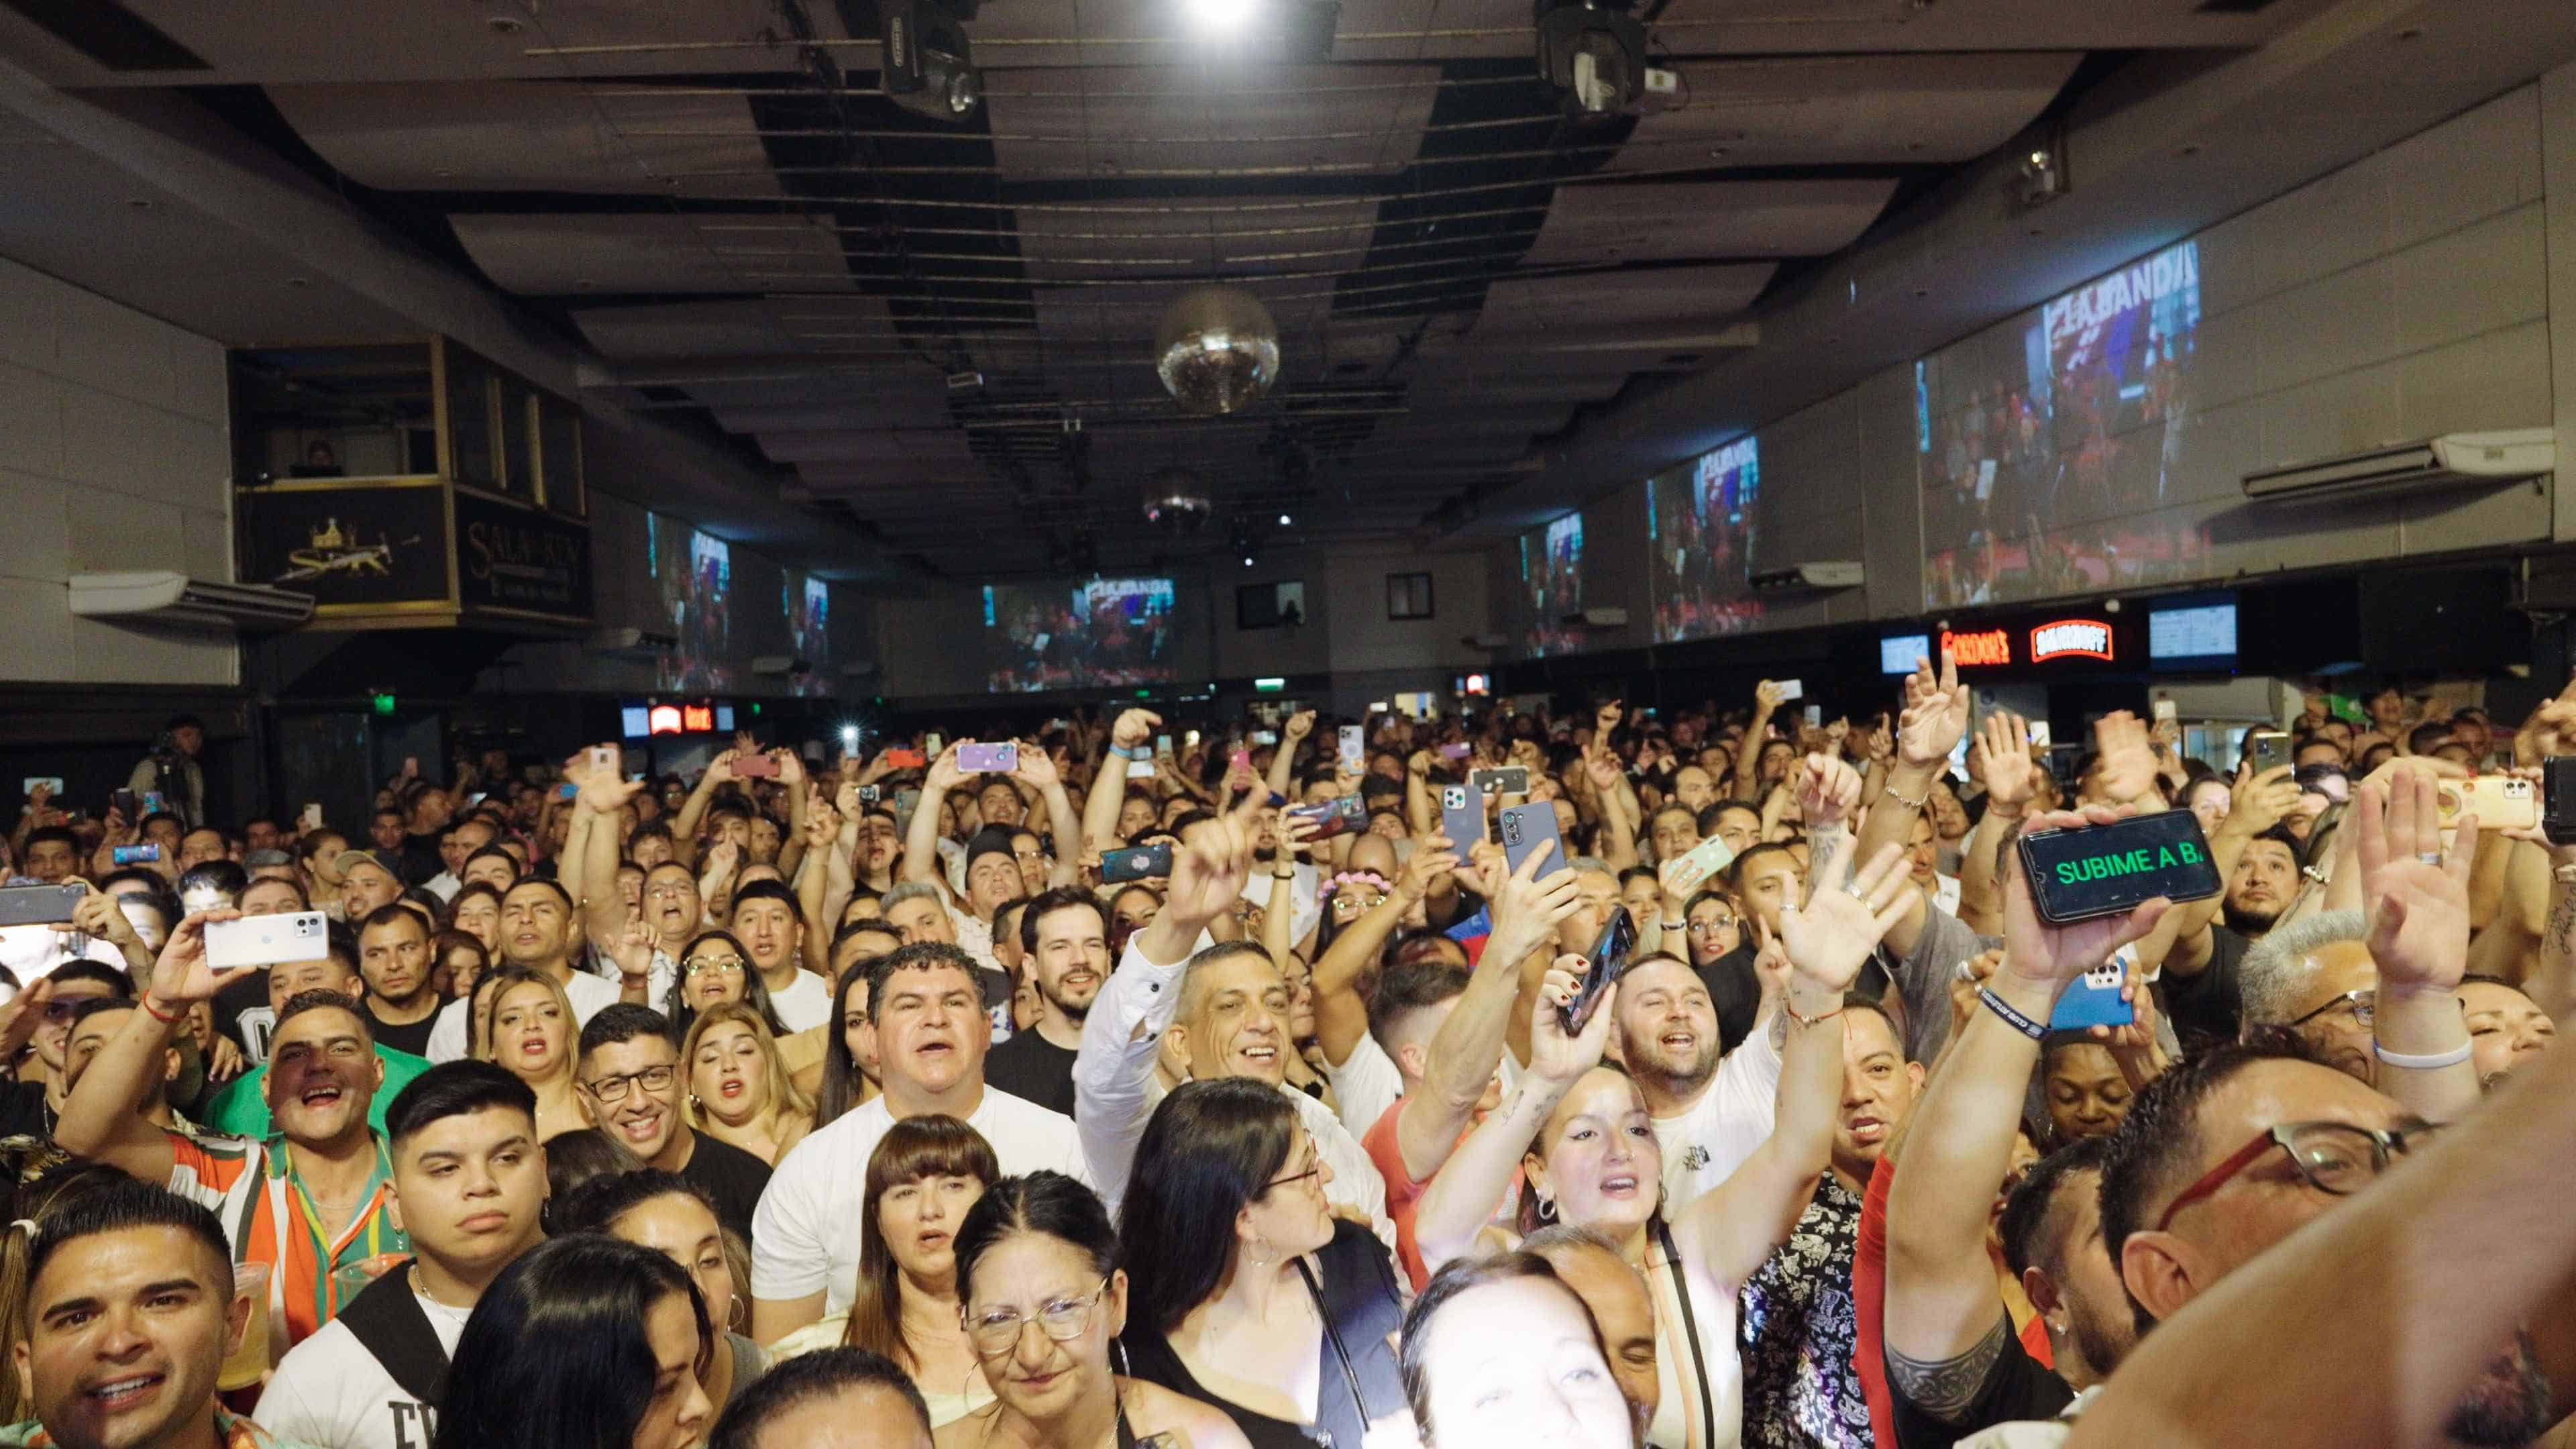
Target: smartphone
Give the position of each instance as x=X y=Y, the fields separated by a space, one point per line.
x=2558 y=796
x=2094 y=1000
x=1191 y=739
x=154 y=802
x=907 y=759
x=2501 y=802
x=1609 y=961
x=1265 y=737
x=1354 y=742
x=1000 y=759
x=125 y=803
x=870 y=794
x=267 y=940
x=1140 y=769
x=607 y=757
x=1239 y=760
x=2165 y=710
x=1504 y=780
x=39 y=905
x=1526 y=828
x=2076 y=875
x=2039 y=739
x=907 y=800
x=312 y=817
x=932 y=744
x=567 y=790
x=1136 y=862
x=1815 y=716
x=1462 y=817
x=1791 y=689
x=2267 y=749
x=755 y=767
x=1343 y=816
x=1456 y=752
x=1163 y=745
x=1687 y=872
x=54 y=783
x=146 y=854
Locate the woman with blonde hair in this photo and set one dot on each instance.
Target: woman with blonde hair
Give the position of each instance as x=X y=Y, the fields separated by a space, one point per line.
x=533 y=1035
x=740 y=1091
x=925 y=1173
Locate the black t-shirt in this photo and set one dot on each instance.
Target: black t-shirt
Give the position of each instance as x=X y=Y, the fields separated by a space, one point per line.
x=733 y=1177
x=2016 y=1389
x=411 y=1036
x=22 y=1111
x=1735 y=989
x=246 y=996
x=420 y=858
x=2211 y=1005
x=1031 y=1067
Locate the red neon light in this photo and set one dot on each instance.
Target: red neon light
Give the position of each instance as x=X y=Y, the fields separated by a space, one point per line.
x=664 y=719
x=1989 y=648
x=2071 y=639
x=697 y=719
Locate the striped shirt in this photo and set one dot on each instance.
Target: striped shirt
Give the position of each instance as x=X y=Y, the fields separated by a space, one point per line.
x=270 y=1218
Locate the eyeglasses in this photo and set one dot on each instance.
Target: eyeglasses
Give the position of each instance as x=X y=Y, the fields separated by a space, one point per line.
x=2332 y=1157
x=670 y=892
x=2363 y=1004
x=703 y=965
x=1711 y=925
x=997 y=1330
x=651 y=1079
x=1314 y=1169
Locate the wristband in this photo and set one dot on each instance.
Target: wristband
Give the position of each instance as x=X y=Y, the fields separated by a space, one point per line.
x=2423 y=1062
x=1130 y=752
x=1676 y=926
x=1817 y=1020
x=146 y=1003
x=1889 y=790
x=2033 y=1029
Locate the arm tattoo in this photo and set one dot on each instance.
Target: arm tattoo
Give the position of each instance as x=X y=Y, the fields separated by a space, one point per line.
x=1822 y=849
x=1780 y=1026
x=1944 y=1389
x=2560 y=937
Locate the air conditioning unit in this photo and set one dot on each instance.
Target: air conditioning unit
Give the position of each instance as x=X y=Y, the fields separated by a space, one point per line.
x=1487 y=641
x=1605 y=617
x=2449 y=461
x=162 y=596
x=639 y=643
x=1808 y=578
x=779 y=666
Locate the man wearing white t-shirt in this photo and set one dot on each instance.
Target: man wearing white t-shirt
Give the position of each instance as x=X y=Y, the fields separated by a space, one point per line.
x=539 y=932
x=1226 y=1009
x=469 y=1186
x=1709 y=1113
x=925 y=1010
x=766 y=921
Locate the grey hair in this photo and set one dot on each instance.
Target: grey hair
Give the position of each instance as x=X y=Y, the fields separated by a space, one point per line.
x=2278 y=973
x=911 y=890
x=1592 y=865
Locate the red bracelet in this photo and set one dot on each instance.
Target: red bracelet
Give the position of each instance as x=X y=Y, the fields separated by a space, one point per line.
x=156 y=1016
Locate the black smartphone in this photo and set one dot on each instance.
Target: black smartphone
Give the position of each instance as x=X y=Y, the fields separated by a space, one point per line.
x=1501 y=780
x=39 y=905
x=2558 y=799
x=1135 y=863
x=1526 y=828
x=1609 y=960
x=127 y=804
x=2102 y=870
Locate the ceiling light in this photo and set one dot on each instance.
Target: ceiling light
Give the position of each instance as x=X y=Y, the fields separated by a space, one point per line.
x=1218 y=17
x=1247 y=560
x=1283 y=520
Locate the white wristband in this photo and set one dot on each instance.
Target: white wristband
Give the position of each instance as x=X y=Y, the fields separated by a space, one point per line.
x=2428 y=1062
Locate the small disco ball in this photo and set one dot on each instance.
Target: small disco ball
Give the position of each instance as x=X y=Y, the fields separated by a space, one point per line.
x=1217 y=350
x=1177 y=502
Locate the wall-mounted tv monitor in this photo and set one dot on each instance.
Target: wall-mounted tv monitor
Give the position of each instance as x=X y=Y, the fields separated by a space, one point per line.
x=1898 y=652
x=2192 y=631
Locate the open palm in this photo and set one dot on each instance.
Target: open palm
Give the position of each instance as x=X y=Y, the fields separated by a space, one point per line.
x=1829 y=937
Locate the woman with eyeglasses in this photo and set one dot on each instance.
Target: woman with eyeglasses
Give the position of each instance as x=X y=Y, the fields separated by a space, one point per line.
x=532 y=1036
x=1712 y=926
x=1250 y=1295
x=740 y=1091
x=1043 y=1300
x=713 y=969
x=476 y=911
x=926 y=1175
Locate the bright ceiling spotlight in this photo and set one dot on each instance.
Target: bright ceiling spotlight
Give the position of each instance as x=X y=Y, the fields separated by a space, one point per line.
x=1219 y=17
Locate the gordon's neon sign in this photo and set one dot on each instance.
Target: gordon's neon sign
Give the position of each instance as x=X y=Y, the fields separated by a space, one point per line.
x=1987 y=648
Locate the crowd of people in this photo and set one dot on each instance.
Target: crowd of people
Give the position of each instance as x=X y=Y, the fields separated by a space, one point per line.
x=1130 y=1097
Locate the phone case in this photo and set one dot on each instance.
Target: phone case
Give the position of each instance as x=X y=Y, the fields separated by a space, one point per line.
x=2501 y=802
x=1134 y=863
x=1354 y=746
x=906 y=759
x=1610 y=957
x=1502 y=780
x=266 y=940
x=1524 y=829
x=1462 y=817
x=998 y=759
x=1343 y=816
x=38 y=905
x=2094 y=1000
x=1694 y=868
x=1792 y=690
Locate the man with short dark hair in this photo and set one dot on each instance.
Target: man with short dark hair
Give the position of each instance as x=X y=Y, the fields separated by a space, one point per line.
x=456 y=845
x=130 y=1315
x=540 y=931
x=767 y=922
x=1064 y=951
x=241 y=1108
x=631 y=1085
x=846 y=1398
x=366 y=882
x=51 y=853
x=401 y=999
x=469 y=1188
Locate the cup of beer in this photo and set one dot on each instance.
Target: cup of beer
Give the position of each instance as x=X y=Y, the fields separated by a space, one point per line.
x=248 y=1361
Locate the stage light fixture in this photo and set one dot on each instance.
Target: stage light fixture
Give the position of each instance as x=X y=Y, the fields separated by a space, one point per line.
x=929 y=63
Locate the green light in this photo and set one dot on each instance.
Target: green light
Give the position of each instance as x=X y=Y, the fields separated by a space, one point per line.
x=384 y=702
x=1144 y=694
x=1269 y=686
x=755 y=706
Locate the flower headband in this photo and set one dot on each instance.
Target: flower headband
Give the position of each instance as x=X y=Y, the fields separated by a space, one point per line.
x=1333 y=886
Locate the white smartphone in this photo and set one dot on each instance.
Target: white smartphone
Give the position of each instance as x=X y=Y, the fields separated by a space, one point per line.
x=931 y=745
x=2165 y=709
x=1354 y=742
x=1815 y=716
x=1792 y=689
x=312 y=814
x=607 y=757
x=1140 y=769
x=267 y=940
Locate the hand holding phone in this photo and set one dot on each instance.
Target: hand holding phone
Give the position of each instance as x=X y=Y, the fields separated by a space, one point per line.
x=1138 y=862
x=1462 y=817
x=993 y=759
x=1609 y=962
x=2103 y=870
x=1354 y=748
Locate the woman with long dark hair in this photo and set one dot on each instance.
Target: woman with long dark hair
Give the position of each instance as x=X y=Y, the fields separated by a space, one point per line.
x=1250 y=1296
x=1037 y=1273
x=674 y=1217
x=714 y=969
x=925 y=1176
x=849 y=1074
x=1498 y=1350
x=585 y=1342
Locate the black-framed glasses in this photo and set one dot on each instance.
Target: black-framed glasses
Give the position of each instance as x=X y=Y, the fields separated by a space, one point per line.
x=2332 y=1157
x=613 y=1089
x=2362 y=1003
x=703 y=965
x=1314 y=1169
x=997 y=1330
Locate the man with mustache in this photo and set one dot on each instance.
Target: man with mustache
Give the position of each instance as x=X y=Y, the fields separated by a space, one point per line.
x=1064 y=940
x=312 y=1197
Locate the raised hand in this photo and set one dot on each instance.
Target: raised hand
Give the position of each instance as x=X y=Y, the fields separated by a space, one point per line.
x=1554 y=1056
x=2004 y=761
x=1432 y=859
x=181 y=977
x=1829 y=938
x=2053 y=956
x=632 y=948
x=1766 y=697
x=1828 y=791
x=943 y=774
x=1134 y=728
x=1601 y=769
x=2128 y=760
x=791 y=766
x=2547 y=730
x=1527 y=908
x=1299 y=725
x=1210 y=868
x=1036 y=768
x=2419 y=916
x=1935 y=717
x=603 y=789
x=2263 y=801
x=23 y=1014
x=720 y=769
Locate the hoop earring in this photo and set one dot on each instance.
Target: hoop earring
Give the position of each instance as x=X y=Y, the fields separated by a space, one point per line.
x=1124 y=1371
x=733 y=1312
x=1547 y=1209
x=1258 y=1253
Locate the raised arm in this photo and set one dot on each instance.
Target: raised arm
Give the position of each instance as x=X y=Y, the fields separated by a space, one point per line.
x=103 y=1117
x=1618 y=842
x=1942 y=1303
x=2419 y=938
x=693 y=811
x=2001 y=758
x=800 y=808
x=1748 y=758
x=590 y=872
x=1036 y=770
x=1135 y=727
x=1934 y=720
x=1341 y=1016
x=1283 y=760
x=921 y=839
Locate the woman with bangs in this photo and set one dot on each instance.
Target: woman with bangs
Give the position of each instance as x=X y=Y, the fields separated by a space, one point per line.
x=740 y=1090
x=924 y=1175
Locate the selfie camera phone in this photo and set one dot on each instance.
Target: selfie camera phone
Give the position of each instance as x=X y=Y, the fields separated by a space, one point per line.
x=266 y=940
x=2501 y=802
x=1136 y=862
x=1525 y=828
x=2102 y=870
x=1462 y=817
x=1792 y=689
x=1354 y=742
x=1815 y=716
x=146 y=854
x=999 y=759
x=1343 y=816
x=755 y=767
x=931 y=744
x=1505 y=780
x=54 y=783
x=2268 y=749
x=870 y=794
x=39 y=905
x=1163 y=744
x=1609 y=961
x=1693 y=869
x=2094 y=1000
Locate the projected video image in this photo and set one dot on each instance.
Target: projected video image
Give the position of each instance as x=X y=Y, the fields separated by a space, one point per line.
x=1105 y=633
x=809 y=630
x=695 y=575
x=1553 y=581
x=1700 y=523
x=2045 y=449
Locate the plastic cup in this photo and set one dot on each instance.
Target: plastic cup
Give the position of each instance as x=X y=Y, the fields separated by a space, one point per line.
x=245 y=1365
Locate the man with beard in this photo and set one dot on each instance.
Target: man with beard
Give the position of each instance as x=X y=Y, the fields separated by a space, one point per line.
x=766 y=921
x=366 y=883
x=2201 y=945
x=631 y=1084
x=1064 y=942
x=1710 y=1111
x=241 y=1108
x=393 y=956
x=539 y=932
x=308 y=1200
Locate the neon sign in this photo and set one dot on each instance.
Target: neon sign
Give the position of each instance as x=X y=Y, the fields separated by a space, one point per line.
x=2071 y=639
x=1989 y=648
x=664 y=720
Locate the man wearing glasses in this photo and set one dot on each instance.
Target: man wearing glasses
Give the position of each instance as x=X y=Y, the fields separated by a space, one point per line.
x=631 y=1080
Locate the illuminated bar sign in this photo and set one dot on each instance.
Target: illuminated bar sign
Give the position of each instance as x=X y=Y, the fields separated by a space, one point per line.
x=2070 y=639
x=1987 y=648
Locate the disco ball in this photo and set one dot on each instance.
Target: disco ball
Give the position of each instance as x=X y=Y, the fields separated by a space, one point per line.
x=1177 y=501
x=1217 y=350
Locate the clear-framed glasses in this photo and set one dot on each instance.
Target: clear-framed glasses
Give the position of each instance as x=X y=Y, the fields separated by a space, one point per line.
x=2332 y=1157
x=997 y=1330
x=1712 y=924
x=613 y=1089
x=2363 y=1004
x=712 y=965
x=669 y=891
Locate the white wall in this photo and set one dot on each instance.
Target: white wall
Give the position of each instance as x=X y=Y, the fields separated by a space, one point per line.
x=114 y=455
